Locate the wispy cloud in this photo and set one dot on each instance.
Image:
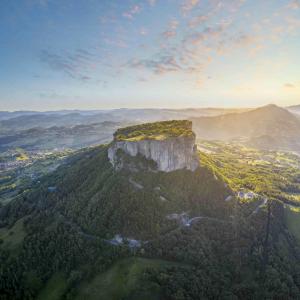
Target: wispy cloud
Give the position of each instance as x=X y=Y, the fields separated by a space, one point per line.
x=163 y=63
x=75 y=65
x=119 y=43
x=171 y=30
x=188 y=5
x=158 y=65
x=143 y=31
x=169 y=33
x=289 y=86
x=129 y=14
x=51 y=94
x=295 y=4
x=198 y=20
x=152 y=2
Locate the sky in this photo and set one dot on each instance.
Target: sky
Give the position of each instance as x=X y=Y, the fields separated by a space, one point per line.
x=92 y=54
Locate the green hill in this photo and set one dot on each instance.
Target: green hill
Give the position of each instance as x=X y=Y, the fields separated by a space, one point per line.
x=177 y=237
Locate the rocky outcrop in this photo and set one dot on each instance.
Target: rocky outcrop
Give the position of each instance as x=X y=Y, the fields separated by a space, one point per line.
x=170 y=154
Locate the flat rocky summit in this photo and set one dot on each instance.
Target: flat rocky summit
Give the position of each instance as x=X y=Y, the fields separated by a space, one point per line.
x=155 y=131
x=170 y=144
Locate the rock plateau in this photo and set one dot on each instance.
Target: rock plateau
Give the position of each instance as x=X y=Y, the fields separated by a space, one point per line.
x=170 y=144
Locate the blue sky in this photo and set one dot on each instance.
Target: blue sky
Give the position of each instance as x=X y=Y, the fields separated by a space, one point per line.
x=89 y=54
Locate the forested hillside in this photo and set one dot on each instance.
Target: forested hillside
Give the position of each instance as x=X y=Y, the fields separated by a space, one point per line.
x=180 y=235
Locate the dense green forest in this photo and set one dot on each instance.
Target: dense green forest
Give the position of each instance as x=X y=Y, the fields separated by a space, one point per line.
x=194 y=239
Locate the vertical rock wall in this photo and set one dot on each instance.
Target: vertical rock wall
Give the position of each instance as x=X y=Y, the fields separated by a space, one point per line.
x=170 y=154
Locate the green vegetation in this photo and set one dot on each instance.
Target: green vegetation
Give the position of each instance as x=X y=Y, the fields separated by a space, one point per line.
x=273 y=174
x=54 y=289
x=155 y=131
x=13 y=237
x=125 y=280
x=24 y=169
x=230 y=251
x=292 y=215
x=267 y=173
x=79 y=215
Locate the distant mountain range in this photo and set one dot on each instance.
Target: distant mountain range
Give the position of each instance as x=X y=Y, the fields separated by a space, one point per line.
x=11 y=121
x=269 y=127
x=60 y=137
x=76 y=129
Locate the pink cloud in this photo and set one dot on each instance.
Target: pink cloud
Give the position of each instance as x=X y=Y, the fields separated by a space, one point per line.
x=168 y=34
x=133 y=11
x=188 y=5
x=295 y=4
x=199 y=20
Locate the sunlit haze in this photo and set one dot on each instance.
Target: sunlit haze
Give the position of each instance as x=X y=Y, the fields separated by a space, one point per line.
x=153 y=53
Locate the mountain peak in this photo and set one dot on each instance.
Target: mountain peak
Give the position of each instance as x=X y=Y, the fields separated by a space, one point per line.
x=272 y=110
x=270 y=107
x=170 y=144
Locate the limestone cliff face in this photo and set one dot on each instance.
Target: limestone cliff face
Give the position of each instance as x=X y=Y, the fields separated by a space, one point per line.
x=170 y=154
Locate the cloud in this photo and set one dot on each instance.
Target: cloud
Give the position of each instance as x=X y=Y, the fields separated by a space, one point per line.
x=52 y=95
x=173 y=24
x=119 y=43
x=158 y=65
x=188 y=5
x=143 y=31
x=74 y=65
x=163 y=63
x=209 y=34
x=171 y=31
x=212 y=30
x=169 y=34
x=152 y=2
x=289 y=85
x=199 y=20
x=295 y=4
x=292 y=24
x=245 y=40
x=132 y=11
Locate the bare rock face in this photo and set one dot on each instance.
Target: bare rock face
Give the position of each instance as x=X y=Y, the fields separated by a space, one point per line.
x=171 y=153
